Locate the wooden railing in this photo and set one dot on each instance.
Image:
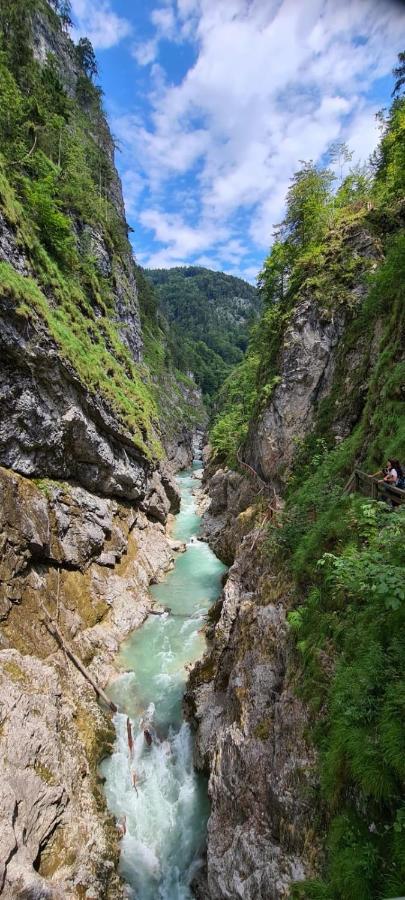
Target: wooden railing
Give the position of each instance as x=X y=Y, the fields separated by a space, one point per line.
x=370 y=485
x=374 y=487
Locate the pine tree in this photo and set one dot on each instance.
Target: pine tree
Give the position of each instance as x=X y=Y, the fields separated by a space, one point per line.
x=64 y=9
x=86 y=58
x=399 y=73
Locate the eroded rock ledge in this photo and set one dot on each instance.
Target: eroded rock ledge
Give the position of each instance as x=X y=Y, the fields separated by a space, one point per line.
x=87 y=560
x=250 y=726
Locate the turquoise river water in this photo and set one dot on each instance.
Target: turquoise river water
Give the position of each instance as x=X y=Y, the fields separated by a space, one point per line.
x=154 y=790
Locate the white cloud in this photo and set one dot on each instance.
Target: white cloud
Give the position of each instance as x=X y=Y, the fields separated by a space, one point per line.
x=250 y=273
x=133 y=185
x=181 y=240
x=184 y=243
x=168 y=150
x=363 y=133
x=164 y=21
x=274 y=82
x=98 y=22
x=145 y=53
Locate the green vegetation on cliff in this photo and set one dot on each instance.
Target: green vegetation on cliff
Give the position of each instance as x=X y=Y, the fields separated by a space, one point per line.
x=60 y=198
x=344 y=553
x=209 y=314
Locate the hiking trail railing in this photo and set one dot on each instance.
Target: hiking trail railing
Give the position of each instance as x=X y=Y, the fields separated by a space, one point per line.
x=374 y=487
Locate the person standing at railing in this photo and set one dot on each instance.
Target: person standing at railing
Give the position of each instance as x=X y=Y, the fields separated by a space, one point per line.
x=393 y=477
x=379 y=472
x=394 y=472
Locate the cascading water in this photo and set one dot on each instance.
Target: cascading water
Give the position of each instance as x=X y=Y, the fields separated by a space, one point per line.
x=154 y=791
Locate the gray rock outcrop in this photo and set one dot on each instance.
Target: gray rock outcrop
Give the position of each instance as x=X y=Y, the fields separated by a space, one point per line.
x=306 y=365
x=51 y=426
x=86 y=561
x=250 y=735
x=227 y=507
x=307 y=361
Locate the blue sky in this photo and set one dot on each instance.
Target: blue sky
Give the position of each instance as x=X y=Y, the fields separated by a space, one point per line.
x=215 y=102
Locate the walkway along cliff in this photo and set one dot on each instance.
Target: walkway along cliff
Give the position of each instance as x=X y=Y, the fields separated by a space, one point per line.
x=298 y=703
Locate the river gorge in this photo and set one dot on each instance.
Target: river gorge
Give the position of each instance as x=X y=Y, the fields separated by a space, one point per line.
x=202 y=656
x=155 y=790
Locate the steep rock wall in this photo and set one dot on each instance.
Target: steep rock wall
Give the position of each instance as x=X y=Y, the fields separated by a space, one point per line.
x=306 y=371
x=86 y=494
x=86 y=561
x=250 y=726
x=50 y=39
x=308 y=356
x=252 y=730
x=51 y=425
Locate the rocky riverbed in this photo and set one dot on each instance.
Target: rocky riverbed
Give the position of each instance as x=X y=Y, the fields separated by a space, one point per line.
x=86 y=561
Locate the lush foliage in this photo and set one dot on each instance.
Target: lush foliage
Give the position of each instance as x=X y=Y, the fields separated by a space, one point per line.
x=343 y=554
x=237 y=399
x=209 y=314
x=350 y=636
x=57 y=190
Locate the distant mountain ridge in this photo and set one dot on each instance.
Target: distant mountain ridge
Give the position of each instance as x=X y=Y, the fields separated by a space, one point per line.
x=209 y=314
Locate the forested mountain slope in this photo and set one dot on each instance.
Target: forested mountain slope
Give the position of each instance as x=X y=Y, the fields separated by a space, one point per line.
x=304 y=683
x=209 y=314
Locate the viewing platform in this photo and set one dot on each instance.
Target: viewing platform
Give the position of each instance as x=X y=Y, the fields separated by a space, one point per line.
x=374 y=487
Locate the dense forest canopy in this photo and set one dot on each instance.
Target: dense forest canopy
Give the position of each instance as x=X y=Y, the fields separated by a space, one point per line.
x=209 y=314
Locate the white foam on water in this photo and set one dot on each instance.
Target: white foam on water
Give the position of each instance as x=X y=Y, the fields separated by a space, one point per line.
x=156 y=791
x=163 y=834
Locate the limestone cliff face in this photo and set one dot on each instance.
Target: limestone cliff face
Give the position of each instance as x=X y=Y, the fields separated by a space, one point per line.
x=87 y=562
x=83 y=515
x=48 y=38
x=51 y=425
x=250 y=735
x=306 y=372
x=251 y=727
x=308 y=357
